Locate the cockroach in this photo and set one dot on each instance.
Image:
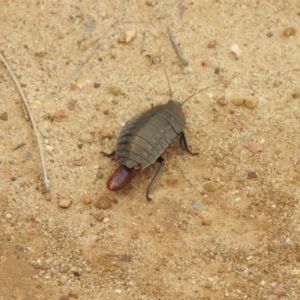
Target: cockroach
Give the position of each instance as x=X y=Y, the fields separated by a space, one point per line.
x=145 y=137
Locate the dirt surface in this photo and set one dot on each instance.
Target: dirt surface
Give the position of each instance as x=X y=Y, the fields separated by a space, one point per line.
x=222 y=225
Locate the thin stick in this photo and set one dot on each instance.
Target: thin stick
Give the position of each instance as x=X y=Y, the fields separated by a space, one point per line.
x=77 y=70
x=46 y=182
x=177 y=48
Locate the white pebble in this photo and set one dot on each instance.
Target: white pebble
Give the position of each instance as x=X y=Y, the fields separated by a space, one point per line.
x=187 y=70
x=49 y=148
x=236 y=50
x=295 y=272
x=262 y=283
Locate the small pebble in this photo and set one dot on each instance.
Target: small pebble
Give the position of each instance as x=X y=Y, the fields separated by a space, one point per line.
x=296 y=95
x=209 y=187
x=115 y=90
x=76 y=273
x=47 y=196
x=60 y=114
x=236 y=50
x=149 y=2
x=79 y=162
x=289 y=31
x=197 y=205
x=60 y=35
x=279 y=291
x=99 y=217
x=99 y=173
x=255 y=147
x=87 y=200
x=269 y=34
x=217 y=70
x=206 y=221
x=4 y=116
x=73 y=86
x=127 y=37
x=295 y=272
x=106 y=134
x=238 y=101
x=40 y=51
x=29 y=155
x=187 y=70
x=86 y=137
x=8 y=216
x=251 y=102
x=222 y=101
x=64 y=297
x=63 y=269
x=212 y=44
x=96 y=85
x=49 y=148
x=252 y=175
x=289 y=242
x=64 y=202
x=103 y=203
x=73 y=295
x=72 y=104
x=45 y=133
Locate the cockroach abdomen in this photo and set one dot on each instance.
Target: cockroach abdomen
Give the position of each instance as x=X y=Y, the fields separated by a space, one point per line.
x=121 y=177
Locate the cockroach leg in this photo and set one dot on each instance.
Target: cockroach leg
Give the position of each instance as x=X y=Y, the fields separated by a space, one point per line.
x=162 y=164
x=184 y=144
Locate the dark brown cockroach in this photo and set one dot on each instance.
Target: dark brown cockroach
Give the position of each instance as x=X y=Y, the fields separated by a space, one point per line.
x=144 y=138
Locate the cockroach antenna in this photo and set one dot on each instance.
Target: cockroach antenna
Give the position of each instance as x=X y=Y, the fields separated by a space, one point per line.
x=188 y=98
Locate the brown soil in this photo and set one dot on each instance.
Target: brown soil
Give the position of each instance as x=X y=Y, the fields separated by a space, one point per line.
x=222 y=225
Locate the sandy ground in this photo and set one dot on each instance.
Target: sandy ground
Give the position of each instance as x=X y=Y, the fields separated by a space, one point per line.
x=222 y=225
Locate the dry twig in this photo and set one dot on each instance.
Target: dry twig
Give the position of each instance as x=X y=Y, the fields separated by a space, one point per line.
x=177 y=48
x=46 y=182
x=77 y=70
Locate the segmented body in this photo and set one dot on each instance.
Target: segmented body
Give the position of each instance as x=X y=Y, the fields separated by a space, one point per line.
x=146 y=136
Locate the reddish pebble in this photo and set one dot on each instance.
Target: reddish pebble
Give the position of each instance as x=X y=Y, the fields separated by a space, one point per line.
x=99 y=217
x=115 y=201
x=255 y=147
x=252 y=175
x=279 y=291
x=222 y=101
x=60 y=35
x=79 y=162
x=64 y=297
x=72 y=103
x=47 y=196
x=73 y=86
